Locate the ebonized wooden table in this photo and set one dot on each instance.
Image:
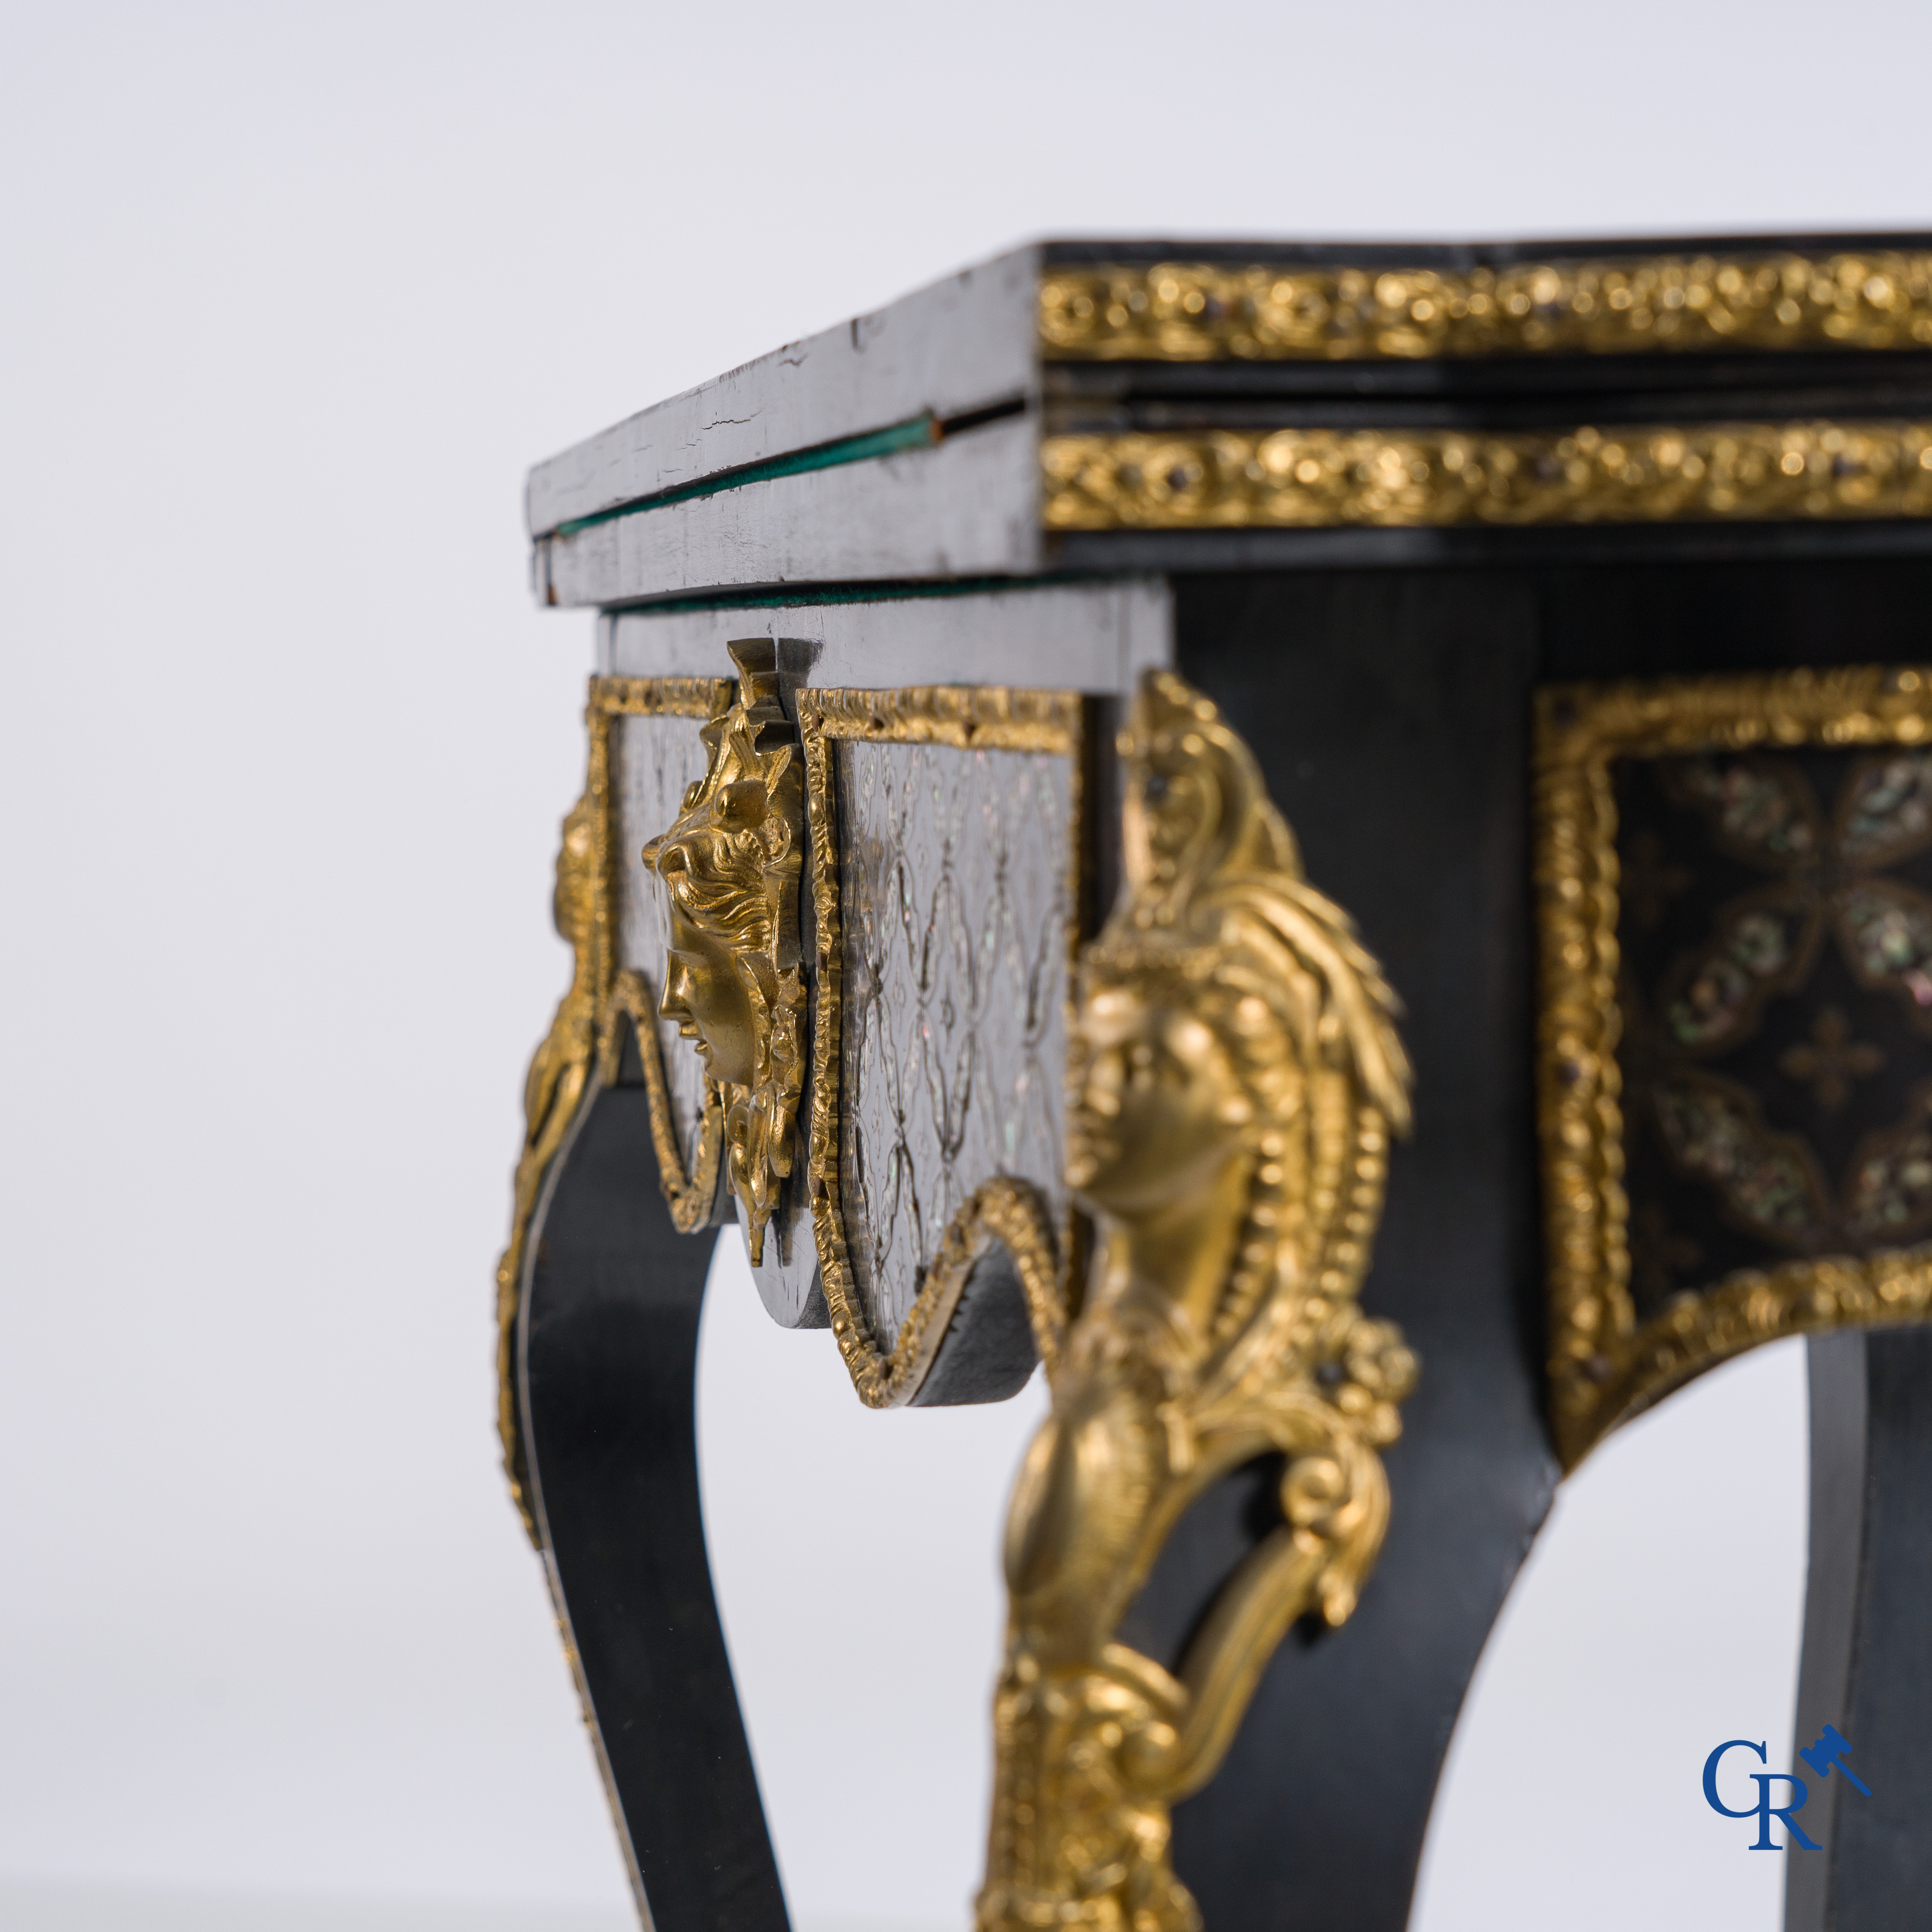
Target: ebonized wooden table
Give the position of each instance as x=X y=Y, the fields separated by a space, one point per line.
x=1569 y=603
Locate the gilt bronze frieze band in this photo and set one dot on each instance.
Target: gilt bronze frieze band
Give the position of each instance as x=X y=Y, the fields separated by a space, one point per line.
x=1735 y=893
x=1234 y=1077
x=1326 y=478
x=1199 y=312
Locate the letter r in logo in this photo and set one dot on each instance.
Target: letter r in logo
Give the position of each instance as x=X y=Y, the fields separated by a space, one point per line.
x=1763 y=1810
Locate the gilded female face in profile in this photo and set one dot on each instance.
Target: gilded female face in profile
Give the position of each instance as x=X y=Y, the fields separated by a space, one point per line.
x=706 y=997
x=1157 y=1111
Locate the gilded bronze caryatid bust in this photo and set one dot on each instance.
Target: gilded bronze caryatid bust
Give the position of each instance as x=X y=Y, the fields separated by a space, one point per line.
x=730 y=865
x=1235 y=1077
x=552 y=1089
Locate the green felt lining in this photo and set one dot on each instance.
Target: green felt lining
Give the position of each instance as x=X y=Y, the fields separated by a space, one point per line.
x=918 y=432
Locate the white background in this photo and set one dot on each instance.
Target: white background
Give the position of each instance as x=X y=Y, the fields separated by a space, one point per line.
x=289 y=298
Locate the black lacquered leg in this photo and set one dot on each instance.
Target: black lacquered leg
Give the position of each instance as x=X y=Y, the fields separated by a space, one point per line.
x=609 y=1350
x=1389 y=716
x=1867 y=1660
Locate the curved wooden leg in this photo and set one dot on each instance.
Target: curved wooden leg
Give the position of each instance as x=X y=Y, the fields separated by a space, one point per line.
x=1867 y=1611
x=607 y=1353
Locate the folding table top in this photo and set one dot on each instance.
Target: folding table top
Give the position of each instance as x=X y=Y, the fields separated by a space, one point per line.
x=1076 y=406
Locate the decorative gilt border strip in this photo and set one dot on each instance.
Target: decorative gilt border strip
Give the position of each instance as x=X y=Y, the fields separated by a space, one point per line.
x=1326 y=479
x=973 y=718
x=690 y=1196
x=583 y=1033
x=1198 y=312
x=1603 y=1367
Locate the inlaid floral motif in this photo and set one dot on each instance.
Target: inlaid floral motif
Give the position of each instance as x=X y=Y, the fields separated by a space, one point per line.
x=1714 y=1131
x=1887 y=808
x=1777 y=979
x=1760 y=811
x=1891 y=1185
x=1761 y=949
x=1887 y=932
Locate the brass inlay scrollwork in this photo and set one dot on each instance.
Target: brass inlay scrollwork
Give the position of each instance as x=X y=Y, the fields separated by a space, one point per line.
x=1323 y=478
x=1236 y=1076
x=887 y=1372
x=1196 y=312
x=730 y=865
x=583 y=1032
x=1605 y=1364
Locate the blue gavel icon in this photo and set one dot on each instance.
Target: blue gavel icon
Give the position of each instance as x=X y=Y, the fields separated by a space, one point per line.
x=1822 y=1755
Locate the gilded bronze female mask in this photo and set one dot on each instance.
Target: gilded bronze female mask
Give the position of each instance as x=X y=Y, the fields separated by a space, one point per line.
x=730 y=866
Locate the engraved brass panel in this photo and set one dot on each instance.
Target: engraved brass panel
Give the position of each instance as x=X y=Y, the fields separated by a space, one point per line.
x=1196 y=312
x=1726 y=869
x=943 y=951
x=1235 y=1077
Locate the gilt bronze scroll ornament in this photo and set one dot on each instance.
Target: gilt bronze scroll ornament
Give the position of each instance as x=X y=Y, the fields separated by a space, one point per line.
x=731 y=865
x=1236 y=1075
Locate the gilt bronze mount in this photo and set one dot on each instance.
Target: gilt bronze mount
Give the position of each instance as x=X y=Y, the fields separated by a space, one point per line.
x=1235 y=1077
x=1308 y=478
x=730 y=865
x=1288 y=311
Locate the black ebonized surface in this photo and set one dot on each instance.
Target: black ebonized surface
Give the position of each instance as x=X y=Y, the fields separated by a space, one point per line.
x=1390 y=714
x=609 y=1351
x=1866 y=1667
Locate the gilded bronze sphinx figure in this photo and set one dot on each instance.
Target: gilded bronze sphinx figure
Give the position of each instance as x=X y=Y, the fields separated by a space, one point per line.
x=1235 y=1077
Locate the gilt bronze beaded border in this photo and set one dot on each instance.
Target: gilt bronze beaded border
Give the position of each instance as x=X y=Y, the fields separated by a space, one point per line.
x=1329 y=479
x=1205 y=312
x=1603 y=1365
